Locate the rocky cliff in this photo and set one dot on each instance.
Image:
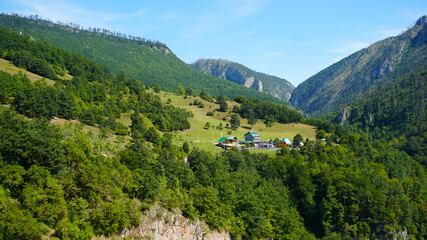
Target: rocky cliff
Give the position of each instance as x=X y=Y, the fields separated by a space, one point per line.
x=277 y=87
x=161 y=224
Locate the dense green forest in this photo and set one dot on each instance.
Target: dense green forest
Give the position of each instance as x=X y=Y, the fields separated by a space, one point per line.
x=150 y=62
x=93 y=95
x=252 y=108
x=55 y=181
x=360 y=189
x=395 y=112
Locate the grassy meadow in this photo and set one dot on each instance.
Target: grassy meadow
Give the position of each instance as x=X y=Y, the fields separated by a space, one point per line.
x=197 y=136
x=202 y=138
x=7 y=66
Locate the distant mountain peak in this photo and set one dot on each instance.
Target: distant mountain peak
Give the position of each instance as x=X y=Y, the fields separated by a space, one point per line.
x=235 y=72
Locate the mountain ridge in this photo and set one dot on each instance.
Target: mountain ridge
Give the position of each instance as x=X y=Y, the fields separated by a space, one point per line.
x=238 y=73
x=150 y=62
x=352 y=77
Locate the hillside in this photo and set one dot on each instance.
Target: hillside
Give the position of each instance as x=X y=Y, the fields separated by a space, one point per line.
x=396 y=111
x=352 y=77
x=75 y=183
x=199 y=136
x=235 y=72
x=150 y=62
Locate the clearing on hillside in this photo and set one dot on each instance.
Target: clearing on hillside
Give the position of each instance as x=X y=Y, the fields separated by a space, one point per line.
x=202 y=138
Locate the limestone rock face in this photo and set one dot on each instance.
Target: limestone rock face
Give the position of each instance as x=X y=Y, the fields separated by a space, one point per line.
x=344 y=115
x=161 y=224
x=234 y=72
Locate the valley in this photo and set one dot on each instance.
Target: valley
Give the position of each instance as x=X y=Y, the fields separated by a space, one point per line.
x=126 y=149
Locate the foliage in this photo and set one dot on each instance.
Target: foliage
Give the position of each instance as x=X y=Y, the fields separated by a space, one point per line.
x=150 y=62
x=60 y=186
x=355 y=76
x=253 y=108
x=297 y=139
x=93 y=95
x=321 y=134
x=395 y=112
x=234 y=121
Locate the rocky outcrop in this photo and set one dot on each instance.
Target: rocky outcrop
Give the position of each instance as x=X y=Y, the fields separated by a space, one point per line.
x=161 y=224
x=343 y=116
x=236 y=76
x=277 y=87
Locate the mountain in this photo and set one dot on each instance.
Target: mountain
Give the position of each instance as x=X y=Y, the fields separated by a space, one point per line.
x=397 y=110
x=112 y=163
x=150 y=62
x=235 y=72
x=352 y=77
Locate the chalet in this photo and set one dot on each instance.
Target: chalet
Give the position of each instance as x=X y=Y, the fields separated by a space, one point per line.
x=252 y=136
x=285 y=142
x=222 y=139
x=232 y=139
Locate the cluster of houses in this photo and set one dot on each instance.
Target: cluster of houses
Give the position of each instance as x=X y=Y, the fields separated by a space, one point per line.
x=253 y=139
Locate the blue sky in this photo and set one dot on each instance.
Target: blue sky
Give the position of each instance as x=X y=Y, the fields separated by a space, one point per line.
x=288 y=39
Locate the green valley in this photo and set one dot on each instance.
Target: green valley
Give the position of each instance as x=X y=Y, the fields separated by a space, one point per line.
x=99 y=152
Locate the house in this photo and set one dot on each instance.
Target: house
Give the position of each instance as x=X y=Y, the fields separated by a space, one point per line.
x=252 y=136
x=222 y=139
x=232 y=139
x=285 y=142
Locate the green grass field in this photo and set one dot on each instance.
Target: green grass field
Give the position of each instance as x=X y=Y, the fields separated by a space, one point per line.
x=8 y=67
x=197 y=135
x=202 y=138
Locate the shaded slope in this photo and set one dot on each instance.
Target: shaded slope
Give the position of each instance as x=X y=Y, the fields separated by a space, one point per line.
x=355 y=75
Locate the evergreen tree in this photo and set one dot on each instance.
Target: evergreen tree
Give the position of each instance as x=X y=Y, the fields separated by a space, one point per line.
x=251 y=118
x=321 y=134
x=181 y=90
x=235 y=121
x=297 y=139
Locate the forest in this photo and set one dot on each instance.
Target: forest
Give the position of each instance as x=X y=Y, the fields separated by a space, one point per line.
x=62 y=185
x=149 y=62
x=395 y=112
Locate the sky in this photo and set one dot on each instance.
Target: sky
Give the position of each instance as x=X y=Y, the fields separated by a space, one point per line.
x=289 y=39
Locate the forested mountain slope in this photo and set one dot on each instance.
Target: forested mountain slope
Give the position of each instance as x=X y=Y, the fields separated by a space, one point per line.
x=93 y=95
x=396 y=111
x=56 y=181
x=150 y=62
x=352 y=77
x=242 y=75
